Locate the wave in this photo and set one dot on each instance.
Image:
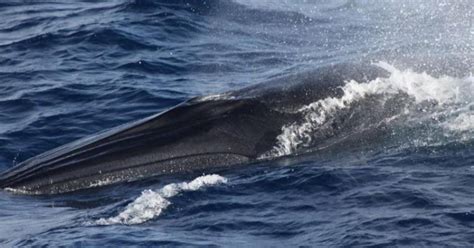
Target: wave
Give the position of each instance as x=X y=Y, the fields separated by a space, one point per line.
x=415 y=108
x=152 y=203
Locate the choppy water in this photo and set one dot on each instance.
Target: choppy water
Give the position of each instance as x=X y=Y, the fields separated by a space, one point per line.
x=68 y=70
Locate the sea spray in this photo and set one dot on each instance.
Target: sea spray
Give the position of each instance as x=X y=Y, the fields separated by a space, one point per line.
x=447 y=101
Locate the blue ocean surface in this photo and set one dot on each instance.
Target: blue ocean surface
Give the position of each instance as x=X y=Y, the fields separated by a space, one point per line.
x=69 y=69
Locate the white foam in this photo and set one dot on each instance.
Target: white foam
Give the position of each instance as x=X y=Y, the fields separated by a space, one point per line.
x=152 y=203
x=463 y=122
x=449 y=93
x=424 y=87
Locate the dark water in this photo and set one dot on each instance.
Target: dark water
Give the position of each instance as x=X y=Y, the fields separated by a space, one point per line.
x=68 y=70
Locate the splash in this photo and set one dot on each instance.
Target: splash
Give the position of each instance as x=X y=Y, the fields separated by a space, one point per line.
x=464 y=122
x=444 y=104
x=152 y=203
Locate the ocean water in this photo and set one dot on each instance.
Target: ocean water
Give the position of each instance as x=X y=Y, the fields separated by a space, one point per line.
x=71 y=69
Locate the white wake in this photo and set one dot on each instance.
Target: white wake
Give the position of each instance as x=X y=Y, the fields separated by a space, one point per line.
x=152 y=203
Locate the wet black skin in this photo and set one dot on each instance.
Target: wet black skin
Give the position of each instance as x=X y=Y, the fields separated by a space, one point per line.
x=198 y=134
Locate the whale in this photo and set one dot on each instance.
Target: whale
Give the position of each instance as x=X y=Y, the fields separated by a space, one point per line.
x=216 y=131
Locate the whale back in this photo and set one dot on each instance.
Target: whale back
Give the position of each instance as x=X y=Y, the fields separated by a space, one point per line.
x=213 y=131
